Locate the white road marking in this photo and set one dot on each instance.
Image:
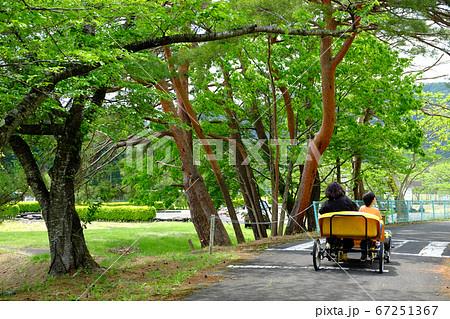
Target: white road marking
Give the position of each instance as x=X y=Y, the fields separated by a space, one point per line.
x=434 y=249
x=416 y=255
x=302 y=267
x=304 y=246
x=399 y=243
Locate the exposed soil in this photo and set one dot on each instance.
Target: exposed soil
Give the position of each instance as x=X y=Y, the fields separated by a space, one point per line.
x=19 y=271
x=140 y=278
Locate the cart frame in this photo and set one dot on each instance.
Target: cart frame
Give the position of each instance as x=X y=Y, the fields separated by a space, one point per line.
x=376 y=248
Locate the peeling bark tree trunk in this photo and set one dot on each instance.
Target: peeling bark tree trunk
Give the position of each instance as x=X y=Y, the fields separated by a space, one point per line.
x=315 y=196
x=284 y=207
x=322 y=139
x=183 y=96
x=274 y=162
x=288 y=201
x=243 y=169
x=199 y=200
x=67 y=244
x=247 y=181
x=358 y=189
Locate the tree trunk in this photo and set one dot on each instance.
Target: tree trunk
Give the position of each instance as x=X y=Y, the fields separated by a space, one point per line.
x=68 y=248
x=250 y=188
x=67 y=243
x=274 y=169
x=322 y=139
x=315 y=196
x=243 y=169
x=358 y=188
x=199 y=200
x=284 y=207
x=260 y=132
x=183 y=95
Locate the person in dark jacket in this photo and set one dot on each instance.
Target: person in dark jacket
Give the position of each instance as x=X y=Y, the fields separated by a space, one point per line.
x=338 y=202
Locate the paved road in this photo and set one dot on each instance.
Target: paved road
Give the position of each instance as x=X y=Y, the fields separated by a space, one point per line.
x=168 y=215
x=419 y=260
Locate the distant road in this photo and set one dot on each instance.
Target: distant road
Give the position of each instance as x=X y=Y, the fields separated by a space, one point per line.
x=185 y=214
x=173 y=214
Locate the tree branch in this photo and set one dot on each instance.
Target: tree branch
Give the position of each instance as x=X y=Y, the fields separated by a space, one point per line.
x=41 y=129
x=34 y=99
x=213 y=36
x=40 y=92
x=168 y=165
x=34 y=177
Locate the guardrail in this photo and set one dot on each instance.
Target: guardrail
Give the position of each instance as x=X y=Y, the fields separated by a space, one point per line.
x=404 y=211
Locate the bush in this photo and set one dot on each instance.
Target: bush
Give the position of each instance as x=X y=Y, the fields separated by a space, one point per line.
x=27 y=207
x=117 y=204
x=159 y=205
x=119 y=213
x=9 y=211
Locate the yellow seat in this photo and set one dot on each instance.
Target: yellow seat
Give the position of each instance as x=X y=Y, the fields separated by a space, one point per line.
x=350 y=224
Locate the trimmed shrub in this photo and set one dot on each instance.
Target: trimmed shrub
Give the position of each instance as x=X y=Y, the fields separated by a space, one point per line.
x=120 y=213
x=27 y=207
x=117 y=204
x=9 y=211
x=159 y=205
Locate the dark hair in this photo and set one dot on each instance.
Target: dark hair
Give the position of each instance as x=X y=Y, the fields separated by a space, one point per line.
x=368 y=198
x=334 y=190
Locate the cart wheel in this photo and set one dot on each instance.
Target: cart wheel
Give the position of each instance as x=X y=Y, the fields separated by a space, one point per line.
x=316 y=254
x=387 y=251
x=387 y=243
x=381 y=258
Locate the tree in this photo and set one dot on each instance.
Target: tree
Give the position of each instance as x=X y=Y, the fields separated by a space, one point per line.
x=322 y=139
x=56 y=58
x=374 y=99
x=67 y=243
x=437 y=179
x=43 y=67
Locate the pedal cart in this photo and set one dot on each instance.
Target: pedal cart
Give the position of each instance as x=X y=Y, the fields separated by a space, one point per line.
x=366 y=231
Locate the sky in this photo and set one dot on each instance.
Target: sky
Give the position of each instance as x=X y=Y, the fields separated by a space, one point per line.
x=433 y=75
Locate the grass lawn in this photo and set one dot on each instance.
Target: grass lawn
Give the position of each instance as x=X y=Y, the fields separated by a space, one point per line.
x=159 y=266
x=106 y=238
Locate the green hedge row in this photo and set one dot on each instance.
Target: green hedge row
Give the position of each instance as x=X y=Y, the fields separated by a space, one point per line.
x=117 y=204
x=9 y=211
x=116 y=211
x=119 y=213
x=26 y=207
x=159 y=205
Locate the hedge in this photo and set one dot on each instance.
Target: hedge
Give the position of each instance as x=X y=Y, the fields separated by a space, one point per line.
x=159 y=205
x=120 y=213
x=117 y=204
x=116 y=211
x=9 y=211
x=26 y=207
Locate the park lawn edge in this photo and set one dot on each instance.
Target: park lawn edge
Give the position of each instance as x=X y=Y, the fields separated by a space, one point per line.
x=172 y=285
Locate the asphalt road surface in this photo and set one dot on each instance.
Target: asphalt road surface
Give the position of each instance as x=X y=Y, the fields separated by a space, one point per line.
x=418 y=271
